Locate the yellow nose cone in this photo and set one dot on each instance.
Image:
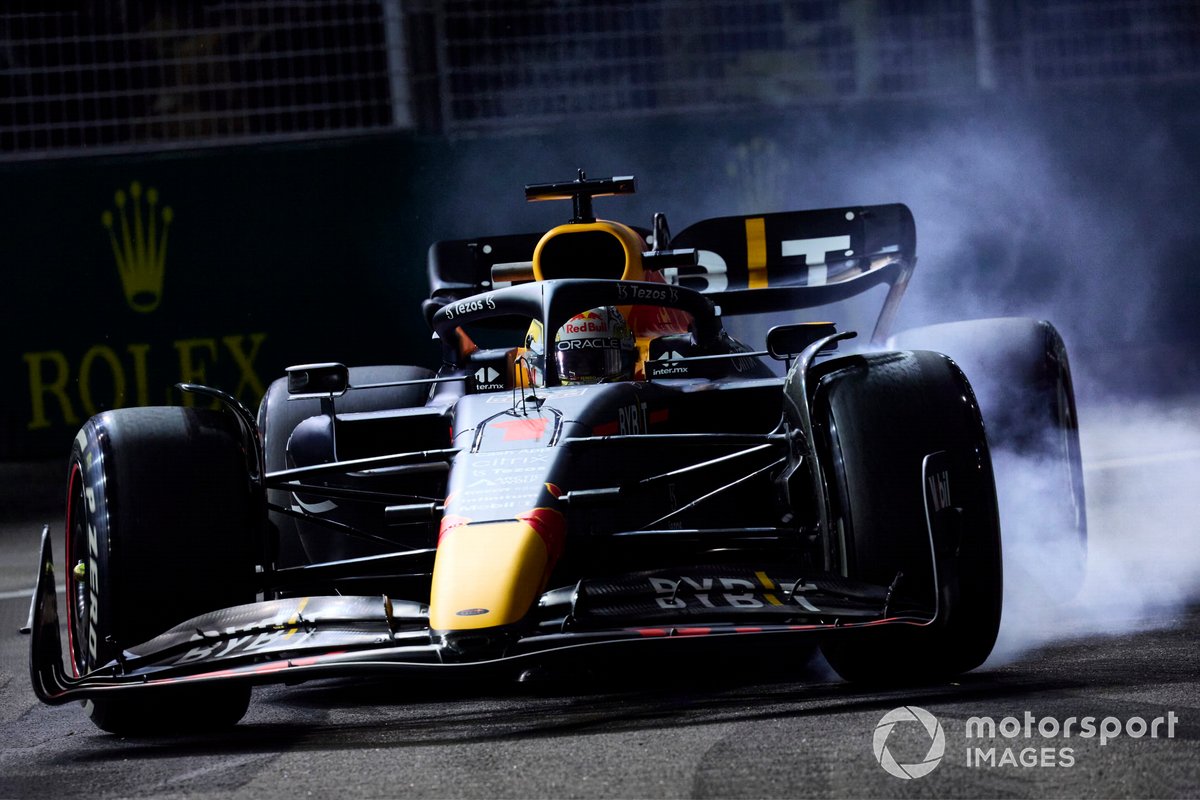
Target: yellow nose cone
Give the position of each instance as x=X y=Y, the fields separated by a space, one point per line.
x=486 y=575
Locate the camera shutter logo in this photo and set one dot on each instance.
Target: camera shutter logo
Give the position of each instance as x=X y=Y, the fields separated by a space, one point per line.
x=937 y=742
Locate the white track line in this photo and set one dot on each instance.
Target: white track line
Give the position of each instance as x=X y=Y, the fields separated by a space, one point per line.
x=1141 y=461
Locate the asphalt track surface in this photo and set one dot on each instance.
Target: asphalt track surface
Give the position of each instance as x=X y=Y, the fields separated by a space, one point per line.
x=741 y=725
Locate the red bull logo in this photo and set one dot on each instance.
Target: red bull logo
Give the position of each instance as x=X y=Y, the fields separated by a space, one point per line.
x=585 y=326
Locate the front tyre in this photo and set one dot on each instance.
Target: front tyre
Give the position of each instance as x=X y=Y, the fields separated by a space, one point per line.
x=911 y=492
x=163 y=524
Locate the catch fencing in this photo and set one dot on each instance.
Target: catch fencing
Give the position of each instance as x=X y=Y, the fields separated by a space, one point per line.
x=100 y=77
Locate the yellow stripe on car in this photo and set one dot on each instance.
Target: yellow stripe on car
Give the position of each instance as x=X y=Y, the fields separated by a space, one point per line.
x=769 y=585
x=756 y=252
x=291 y=623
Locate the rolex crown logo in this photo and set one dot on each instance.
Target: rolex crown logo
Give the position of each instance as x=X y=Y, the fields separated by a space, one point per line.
x=140 y=249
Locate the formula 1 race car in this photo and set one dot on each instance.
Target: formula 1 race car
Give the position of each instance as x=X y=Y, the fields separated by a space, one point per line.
x=598 y=464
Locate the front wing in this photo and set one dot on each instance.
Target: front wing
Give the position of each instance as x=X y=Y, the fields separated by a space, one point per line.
x=298 y=639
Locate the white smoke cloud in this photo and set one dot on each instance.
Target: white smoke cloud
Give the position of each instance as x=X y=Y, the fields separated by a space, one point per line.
x=1142 y=469
x=1021 y=215
x=1016 y=217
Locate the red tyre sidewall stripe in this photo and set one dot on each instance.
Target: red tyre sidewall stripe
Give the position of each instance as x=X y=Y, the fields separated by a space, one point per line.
x=76 y=476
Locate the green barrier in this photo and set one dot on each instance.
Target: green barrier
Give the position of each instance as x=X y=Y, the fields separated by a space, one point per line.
x=128 y=275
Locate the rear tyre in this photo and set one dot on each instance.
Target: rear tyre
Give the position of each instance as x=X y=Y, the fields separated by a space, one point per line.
x=907 y=462
x=278 y=417
x=1022 y=377
x=163 y=524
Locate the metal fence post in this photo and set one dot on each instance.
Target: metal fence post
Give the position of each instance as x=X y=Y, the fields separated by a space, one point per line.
x=399 y=73
x=985 y=45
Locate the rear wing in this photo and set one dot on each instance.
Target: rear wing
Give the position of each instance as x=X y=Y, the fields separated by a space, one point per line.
x=797 y=259
x=746 y=264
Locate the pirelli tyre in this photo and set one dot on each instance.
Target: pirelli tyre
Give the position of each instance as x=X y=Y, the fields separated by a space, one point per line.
x=278 y=417
x=163 y=524
x=1022 y=377
x=912 y=506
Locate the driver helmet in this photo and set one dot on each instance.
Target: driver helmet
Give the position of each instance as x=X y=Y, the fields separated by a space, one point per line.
x=595 y=346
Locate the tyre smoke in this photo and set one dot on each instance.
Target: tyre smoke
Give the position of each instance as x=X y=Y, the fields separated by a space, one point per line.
x=1023 y=218
x=1079 y=216
x=1141 y=470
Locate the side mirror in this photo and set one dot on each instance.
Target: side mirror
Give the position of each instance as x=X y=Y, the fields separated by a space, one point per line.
x=318 y=380
x=788 y=341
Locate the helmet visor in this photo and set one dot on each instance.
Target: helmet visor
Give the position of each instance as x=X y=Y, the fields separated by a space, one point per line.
x=598 y=360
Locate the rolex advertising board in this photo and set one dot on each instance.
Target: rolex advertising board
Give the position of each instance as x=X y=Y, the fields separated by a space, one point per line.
x=126 y=276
